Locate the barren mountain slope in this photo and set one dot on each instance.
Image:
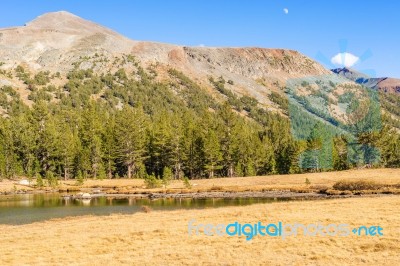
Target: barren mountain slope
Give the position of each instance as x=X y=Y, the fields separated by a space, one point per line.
x=55 y=41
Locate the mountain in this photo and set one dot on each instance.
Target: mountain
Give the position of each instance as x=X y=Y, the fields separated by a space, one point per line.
x=56 y=41
x=384 y=84
x=78 y=99
x=60 y=42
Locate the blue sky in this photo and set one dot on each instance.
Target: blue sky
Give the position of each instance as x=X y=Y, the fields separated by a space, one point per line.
x=368 y=30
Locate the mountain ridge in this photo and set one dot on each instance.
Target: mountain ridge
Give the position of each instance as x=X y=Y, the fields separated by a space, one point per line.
x=60 y=42
x=57 y=41
x=385 y=84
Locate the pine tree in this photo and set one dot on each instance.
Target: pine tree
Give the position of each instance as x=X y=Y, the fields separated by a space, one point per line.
x=388 y=142
x=340 y=153
x=68 y=143
x=25 y=139
x=193 y=148
x=368 y=142
x=167 y=176
x=109 y=146
x=212 y=153
x=264 y=155
x=159 y=147
x=48 y=138
x=130 y=133
x=245 y=147
x=227 y=131
x=175 y=141
x=8 y=159
x=91 y=132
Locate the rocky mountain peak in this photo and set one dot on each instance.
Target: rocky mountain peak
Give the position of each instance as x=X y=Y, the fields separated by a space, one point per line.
x=64 y=21
x=47 y=18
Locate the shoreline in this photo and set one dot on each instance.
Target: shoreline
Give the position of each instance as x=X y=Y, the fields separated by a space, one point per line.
x=315 y=185
x=278 y=194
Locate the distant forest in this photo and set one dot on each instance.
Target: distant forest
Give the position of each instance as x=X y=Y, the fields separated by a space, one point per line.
x=130 y=125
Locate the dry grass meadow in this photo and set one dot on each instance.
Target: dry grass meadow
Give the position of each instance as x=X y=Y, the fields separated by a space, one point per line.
x=256 y=183
x=386 y=176
x=161 y=238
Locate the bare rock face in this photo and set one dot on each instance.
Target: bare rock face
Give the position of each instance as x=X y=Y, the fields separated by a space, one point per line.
x=258 y=63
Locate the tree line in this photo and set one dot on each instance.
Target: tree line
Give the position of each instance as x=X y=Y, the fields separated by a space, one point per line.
x=131 y=125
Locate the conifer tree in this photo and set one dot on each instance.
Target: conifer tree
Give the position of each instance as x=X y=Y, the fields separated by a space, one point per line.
x=130 y=132
x=212 y=153
x=91 y=133
x=227 y=133
x=109 y=145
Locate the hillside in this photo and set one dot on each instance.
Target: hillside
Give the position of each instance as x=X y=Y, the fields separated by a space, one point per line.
x=78 y=99
x=56 y=41
x=385 y=84
x=388 y=88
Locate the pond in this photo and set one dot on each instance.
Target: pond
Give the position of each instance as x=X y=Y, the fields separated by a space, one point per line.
x=29 y=208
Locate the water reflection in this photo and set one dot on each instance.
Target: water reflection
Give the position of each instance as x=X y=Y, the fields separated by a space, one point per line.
x=20 y=209
x=57 y=200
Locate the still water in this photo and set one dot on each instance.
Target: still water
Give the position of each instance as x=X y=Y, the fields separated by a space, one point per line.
x=23 y=209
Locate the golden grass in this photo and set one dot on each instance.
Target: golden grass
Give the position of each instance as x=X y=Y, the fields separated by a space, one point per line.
x=256 y=183
x=10 y=186
x=161 y=238
x=296 y=183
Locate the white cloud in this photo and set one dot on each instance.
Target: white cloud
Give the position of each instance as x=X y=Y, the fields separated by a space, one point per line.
x=201 y=45
x=345 y=59
x=286 y=10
